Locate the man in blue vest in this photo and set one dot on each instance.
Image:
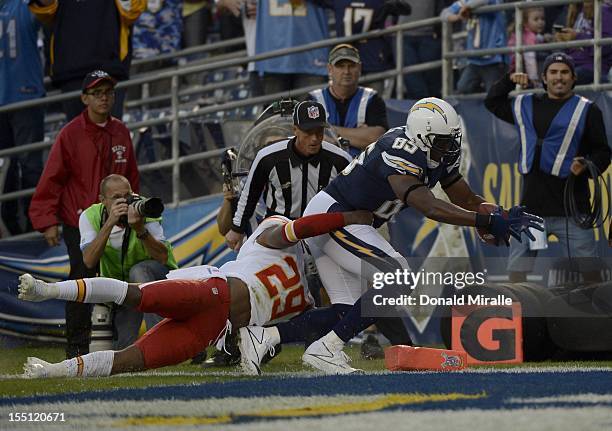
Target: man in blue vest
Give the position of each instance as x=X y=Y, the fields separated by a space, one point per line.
x=357 y=113
x=557 y=131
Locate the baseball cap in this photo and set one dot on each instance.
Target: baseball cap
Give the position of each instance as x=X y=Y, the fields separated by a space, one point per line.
x=94 y=78
x=559 y=57
x=344 y=51
x=309 y=115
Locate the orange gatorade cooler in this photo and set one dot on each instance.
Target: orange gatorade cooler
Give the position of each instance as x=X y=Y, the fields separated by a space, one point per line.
x=408 y=358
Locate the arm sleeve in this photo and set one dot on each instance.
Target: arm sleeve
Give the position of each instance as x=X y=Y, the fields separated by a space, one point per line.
x=497 y=100
x=253 y=188
x=156 y=230
x=46 y=200
x=376 y=113
x=88 y=233
x=595 y=141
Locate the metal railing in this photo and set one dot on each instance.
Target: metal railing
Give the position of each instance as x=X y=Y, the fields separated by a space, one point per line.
x=178 y=113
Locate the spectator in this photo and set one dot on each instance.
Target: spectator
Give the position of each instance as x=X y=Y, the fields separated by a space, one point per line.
x=543 y=123
x=485 y=31
x=289 y=172
x=246 y=11
x=21 y=78
x=157 y=31
x=422 y=45
x=87 y=149
x=127 y=246
x=534 y=23
x=88 y=35
x=580 y=27
x=357 y=113
x=360 y=17
x=286 y=25
x=197 y=18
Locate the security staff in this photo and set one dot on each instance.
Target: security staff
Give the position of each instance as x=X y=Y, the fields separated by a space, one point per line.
x=557 y=131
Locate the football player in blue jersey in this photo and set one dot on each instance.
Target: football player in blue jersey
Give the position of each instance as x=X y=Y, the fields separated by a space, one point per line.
x=394 y=172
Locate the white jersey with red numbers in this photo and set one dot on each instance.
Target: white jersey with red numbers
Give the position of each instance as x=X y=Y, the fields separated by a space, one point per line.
x=275 y=278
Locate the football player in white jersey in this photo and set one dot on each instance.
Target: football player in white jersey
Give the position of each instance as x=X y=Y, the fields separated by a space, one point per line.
x=264 y=284
x=392 y=173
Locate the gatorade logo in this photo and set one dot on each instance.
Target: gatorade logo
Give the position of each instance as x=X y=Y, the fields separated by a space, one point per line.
x=490 y=334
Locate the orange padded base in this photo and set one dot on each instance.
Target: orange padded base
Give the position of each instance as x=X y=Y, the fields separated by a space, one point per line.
x=407 y=358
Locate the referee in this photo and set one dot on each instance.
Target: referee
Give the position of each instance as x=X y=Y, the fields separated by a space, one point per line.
x=289 y=172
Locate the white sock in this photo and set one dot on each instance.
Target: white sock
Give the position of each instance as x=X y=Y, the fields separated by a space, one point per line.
x=274 y=335
x=96 y=364
x=91 y=290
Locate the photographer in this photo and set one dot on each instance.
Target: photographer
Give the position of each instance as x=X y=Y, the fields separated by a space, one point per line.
x=124 y=236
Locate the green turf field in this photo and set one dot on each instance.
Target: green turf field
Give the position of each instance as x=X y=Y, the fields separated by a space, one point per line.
x=11 y=361
x=288 y=361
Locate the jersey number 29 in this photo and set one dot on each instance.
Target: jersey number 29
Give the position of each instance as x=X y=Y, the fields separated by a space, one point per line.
x=286 y=292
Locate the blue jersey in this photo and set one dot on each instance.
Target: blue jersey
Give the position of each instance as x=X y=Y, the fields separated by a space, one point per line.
x=21 y=73
x=158 y=29
x=364 y=185
x=485 y=31
x=280 y=24
x=354 y=17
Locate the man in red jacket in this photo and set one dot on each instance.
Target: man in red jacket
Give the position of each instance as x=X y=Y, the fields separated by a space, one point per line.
x=90 y=147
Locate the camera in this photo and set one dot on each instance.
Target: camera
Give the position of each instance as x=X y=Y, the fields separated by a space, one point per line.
x=145 y=207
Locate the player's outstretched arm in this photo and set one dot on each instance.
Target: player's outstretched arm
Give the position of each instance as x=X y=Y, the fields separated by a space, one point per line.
x=286 y=235
x=460 y=193
x=414 y=193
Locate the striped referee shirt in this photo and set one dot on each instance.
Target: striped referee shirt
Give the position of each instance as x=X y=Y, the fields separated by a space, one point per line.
x=287 y=180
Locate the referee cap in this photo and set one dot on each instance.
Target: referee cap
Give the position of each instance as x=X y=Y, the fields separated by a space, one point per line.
x=309 y=115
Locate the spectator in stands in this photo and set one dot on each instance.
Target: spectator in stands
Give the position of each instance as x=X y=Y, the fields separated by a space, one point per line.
x=289 y=172
x=247 y=12
x=485 y=31
x=534 y=23
x=21 y=78
x=544 y=123
x=87 y=149
x=360 y=17
x=197 y=18
x=579 y=26
x=422 y=45
x=157 y=31
x=126 y=246
x=286 y=25
x=357 y=113
x=88 y=35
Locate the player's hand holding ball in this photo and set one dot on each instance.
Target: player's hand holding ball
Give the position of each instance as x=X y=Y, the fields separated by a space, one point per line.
x=502 y=224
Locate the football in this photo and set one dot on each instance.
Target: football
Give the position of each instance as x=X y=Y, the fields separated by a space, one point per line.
x=483 y=233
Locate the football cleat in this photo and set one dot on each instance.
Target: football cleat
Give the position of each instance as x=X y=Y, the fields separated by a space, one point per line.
x=31 y=289
x=254 y=344
x=36 y=368
x=326 y=358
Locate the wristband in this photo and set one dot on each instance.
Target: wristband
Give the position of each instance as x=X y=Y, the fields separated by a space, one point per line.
x=482 y=220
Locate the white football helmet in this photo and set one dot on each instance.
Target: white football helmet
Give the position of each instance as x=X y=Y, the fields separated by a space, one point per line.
x=436 y=128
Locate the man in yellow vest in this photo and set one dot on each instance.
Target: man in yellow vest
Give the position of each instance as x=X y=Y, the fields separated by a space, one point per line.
x=124 y=236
